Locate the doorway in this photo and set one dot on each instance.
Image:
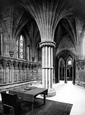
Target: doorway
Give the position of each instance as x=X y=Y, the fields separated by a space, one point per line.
x=69 y=68
x=69 y=73
x=61 y=69
x=65 y=67
x=61 y=73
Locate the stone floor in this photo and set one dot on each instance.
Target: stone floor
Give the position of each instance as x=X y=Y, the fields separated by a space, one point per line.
x=69 y=93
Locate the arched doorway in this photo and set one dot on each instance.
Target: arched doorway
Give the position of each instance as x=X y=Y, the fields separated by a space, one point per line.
x=61 y=69
x=69 y=68
x=65 y=60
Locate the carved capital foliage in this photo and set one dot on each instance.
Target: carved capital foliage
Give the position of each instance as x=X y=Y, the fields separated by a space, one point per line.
x=20 y=65
x=39 y=65
x=31 y=65
x=1 y=65
x=27 y=65
x=10 y=63
x=34 y=65
x=1 y=62
x=15 y=64
x=4 y=63
x=24 y=65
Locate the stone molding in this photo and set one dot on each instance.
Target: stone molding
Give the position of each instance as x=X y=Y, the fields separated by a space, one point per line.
x=47 y=43
x=19 y=64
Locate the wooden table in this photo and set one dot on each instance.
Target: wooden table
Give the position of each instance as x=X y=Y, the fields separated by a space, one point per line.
x=30 y=94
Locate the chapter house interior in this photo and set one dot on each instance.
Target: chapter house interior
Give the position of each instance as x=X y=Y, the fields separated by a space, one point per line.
x=42 y=42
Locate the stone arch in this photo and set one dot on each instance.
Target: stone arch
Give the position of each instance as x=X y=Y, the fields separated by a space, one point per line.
x=69 y=68
x=61 y=70
x=65 y=54
x=68 y=27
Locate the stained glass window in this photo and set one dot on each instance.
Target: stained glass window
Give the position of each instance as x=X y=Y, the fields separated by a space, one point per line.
x=21 y=47
x=28 y=53
x=1 y=44
x=17 y=48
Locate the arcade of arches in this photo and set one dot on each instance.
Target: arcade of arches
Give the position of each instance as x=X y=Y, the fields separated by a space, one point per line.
x=41 y=41
x=65 y=66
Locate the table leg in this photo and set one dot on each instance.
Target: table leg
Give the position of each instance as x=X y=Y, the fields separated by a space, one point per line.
x=44 y=98
x=32 y=108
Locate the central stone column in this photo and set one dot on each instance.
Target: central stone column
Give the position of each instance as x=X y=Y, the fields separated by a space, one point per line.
x=47 y=66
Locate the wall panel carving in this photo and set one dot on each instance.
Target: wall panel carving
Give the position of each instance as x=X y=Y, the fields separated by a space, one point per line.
x=80 y=72
x=14 y=71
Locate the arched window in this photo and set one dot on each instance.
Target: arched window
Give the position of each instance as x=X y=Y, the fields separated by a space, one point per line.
x=28 y=49
x=1 y=44
x=17 y=48
x=21 y=53
x=21 y=47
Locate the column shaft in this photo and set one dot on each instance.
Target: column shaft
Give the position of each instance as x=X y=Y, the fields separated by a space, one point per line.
x=47 y=64
x=46 y=68
x=43 y=77
x=49 y=67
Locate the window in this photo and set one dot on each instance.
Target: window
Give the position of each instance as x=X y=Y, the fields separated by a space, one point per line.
x=69 y=62
x=28 y=53
x=21 y=47
x=1 y=44
x=17 y=48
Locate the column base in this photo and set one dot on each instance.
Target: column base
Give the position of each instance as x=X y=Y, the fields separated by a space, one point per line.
x=51 y=92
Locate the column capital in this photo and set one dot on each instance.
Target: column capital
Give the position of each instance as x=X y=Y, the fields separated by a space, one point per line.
x=20 y=65
x=4 y=63
x=24 y=65
x=47 y=43
x=10 y=63
x=15 y=64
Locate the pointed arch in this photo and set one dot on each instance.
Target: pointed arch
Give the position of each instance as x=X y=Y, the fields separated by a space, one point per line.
x=61 y=70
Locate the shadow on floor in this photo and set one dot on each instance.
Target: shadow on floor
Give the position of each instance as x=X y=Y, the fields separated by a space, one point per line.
x=50 y=108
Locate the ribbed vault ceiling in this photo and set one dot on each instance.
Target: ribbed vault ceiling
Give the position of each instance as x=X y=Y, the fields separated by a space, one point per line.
x=24 y=6
x=78 y=6
x=64 y=29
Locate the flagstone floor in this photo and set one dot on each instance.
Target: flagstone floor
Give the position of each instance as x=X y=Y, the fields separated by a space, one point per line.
x=69 y=93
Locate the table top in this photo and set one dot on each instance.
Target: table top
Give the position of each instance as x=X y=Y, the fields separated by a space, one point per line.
x=33 y=91
x=28 y=94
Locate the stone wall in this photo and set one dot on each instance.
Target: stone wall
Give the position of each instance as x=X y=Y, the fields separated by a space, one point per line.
x=80 y=72
x=13 y=71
